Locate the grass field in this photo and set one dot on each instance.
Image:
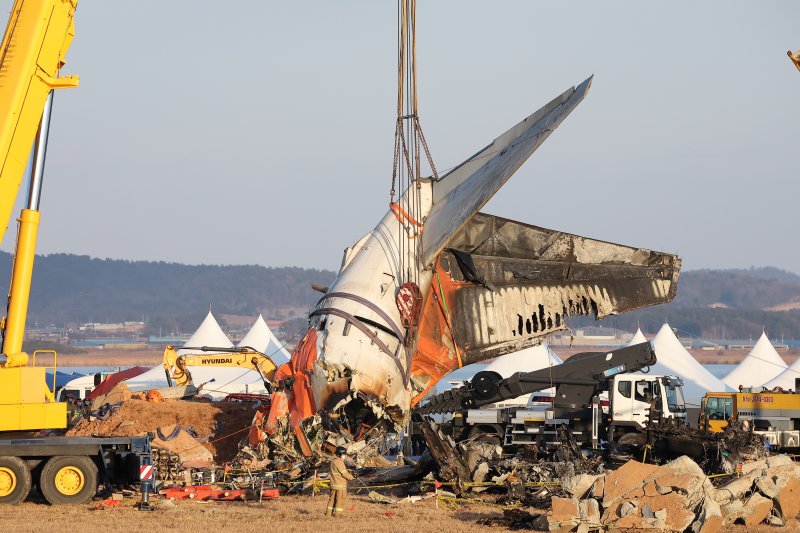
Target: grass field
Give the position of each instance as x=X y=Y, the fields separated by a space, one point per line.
x=286 y=515
x=292 y=514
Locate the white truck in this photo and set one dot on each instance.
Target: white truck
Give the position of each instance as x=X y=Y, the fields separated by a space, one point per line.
x=596 y=395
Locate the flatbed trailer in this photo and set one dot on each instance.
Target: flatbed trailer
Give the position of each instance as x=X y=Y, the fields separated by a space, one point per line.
x=69 y=470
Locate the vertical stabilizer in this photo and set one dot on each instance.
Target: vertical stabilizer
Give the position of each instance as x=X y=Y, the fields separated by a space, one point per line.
x=461 y=193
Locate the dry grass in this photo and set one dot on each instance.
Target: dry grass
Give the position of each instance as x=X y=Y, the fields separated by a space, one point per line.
x=112 y=357
x=292 y=514
x=286 y=515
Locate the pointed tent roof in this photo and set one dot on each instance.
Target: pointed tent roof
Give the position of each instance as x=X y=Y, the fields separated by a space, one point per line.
x=207 y=334
x=261 y=338
x=786 y=379
x=638 y=338
x=761 y=365
x=526 y=360
x=675 y=360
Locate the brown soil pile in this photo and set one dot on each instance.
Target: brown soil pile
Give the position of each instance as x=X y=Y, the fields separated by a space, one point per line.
x=137 y=417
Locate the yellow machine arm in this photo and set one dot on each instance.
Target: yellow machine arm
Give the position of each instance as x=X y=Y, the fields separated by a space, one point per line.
x=178 y=374
x=795 y=57
x=35 y=44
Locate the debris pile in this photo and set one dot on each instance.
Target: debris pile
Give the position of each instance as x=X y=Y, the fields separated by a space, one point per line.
x=198 y=431
x=678 y=496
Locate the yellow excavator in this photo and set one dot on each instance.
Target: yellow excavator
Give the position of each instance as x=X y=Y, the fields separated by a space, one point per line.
x=795 y=57
x=178 y=375
x=66 y=469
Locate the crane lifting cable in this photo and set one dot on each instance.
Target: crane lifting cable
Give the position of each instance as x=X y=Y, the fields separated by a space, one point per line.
x=409 y=145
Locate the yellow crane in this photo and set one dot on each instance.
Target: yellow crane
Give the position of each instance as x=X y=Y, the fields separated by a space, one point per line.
x=33 y=51
x=178 y=375
x=67 y=471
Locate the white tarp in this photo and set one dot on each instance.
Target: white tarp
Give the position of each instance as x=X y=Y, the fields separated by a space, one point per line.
x=675 y=360
x=226 y=381
x=208 y=334
x=527 y=360
x=761 y=365
x=261 y=338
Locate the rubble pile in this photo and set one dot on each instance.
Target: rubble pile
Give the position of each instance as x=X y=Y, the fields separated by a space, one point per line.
x=198 y=431
x=679 y=496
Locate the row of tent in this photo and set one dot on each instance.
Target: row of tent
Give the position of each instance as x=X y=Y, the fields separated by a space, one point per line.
x=215 y=382
x=762 y=367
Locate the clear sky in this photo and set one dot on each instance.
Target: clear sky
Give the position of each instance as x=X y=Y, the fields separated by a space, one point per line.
x=262 y=132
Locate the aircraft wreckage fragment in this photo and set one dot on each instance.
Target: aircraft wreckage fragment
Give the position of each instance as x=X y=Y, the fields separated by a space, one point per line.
x=478 y=286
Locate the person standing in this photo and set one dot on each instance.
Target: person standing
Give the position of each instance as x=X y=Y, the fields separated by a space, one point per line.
x=339 y=477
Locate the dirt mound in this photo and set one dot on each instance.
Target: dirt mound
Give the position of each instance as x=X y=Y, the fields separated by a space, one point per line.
x=224 y=424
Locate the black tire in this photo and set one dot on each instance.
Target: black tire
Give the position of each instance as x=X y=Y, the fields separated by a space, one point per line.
x=15 y=479
x=68 y=480
x=632 y=438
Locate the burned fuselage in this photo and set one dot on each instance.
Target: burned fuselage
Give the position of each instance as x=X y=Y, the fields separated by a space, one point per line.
x=438 y=285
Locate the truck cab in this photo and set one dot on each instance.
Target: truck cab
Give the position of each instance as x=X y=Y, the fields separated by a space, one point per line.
x=634 y=398
x=773 y=414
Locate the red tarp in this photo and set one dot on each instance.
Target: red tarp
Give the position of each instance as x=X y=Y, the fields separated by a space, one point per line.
x=113 y=379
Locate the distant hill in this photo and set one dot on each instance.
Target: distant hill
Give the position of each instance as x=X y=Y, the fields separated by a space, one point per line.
x=70 y=289
x=732 y=303
x=764 y=288
x=169 y=296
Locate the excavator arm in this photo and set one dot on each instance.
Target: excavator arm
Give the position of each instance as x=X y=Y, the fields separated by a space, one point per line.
x=577 y=380
x=178 y=374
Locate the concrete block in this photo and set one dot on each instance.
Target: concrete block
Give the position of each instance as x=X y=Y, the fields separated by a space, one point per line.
x=788 y=500
x=625 y=479
x=757 y=509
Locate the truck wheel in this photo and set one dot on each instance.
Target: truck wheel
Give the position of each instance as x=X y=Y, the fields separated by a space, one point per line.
x=15 y=479
x=68 y=480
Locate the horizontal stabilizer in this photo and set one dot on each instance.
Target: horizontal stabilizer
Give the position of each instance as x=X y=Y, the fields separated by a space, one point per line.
x=514 y=283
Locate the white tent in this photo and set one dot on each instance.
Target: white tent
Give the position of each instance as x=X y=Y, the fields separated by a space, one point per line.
x=761 y=365
x=261 y=338
x=786 y=379
x=526 y=360
x=225 y=380
x=638 y=338
x=207 y=334
x=675 y=360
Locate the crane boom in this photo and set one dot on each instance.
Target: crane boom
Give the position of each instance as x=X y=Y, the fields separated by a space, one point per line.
x=34 y=47
x=576 y=380
x=33 y=51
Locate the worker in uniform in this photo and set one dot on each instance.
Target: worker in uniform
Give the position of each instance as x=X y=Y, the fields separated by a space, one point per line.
x=339 y=477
